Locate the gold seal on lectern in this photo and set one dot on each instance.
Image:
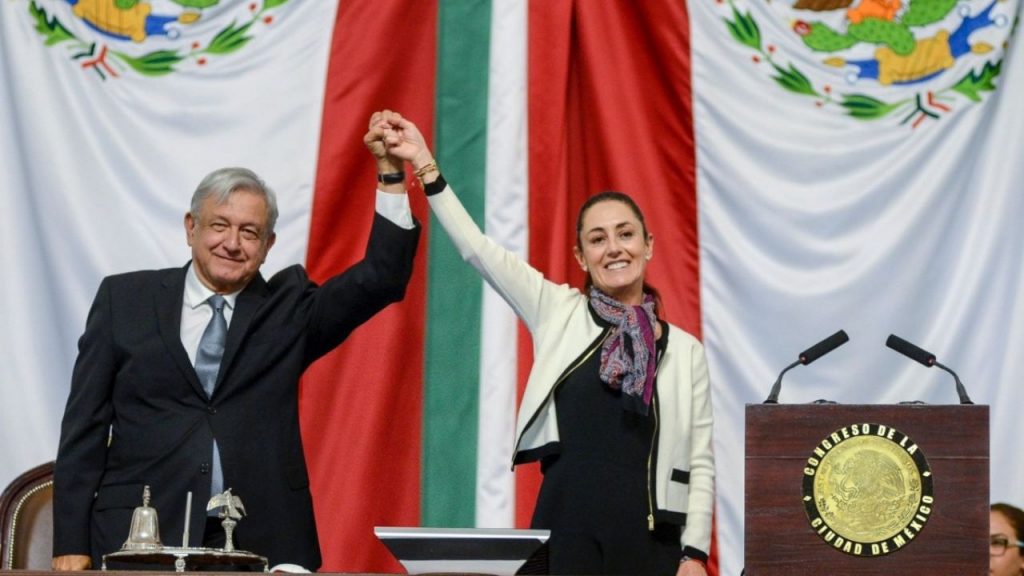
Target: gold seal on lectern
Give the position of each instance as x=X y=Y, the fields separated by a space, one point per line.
x=867 y=490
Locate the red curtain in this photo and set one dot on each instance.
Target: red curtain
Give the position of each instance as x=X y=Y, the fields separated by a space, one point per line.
x=610 y=109
x=361 y=405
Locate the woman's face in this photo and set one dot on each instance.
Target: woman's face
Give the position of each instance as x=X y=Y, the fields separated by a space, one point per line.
x=614 y=250
x=1010 y=563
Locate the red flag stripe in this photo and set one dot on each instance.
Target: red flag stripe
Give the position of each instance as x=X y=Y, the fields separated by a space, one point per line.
x=610 y=108
x=361 y=405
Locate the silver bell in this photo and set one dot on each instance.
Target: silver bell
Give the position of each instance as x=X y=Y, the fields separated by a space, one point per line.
x=145 y=531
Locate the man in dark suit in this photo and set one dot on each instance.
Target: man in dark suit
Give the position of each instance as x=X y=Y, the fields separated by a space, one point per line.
x=138 y=413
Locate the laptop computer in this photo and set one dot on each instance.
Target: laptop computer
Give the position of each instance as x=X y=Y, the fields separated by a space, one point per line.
x=498 y=551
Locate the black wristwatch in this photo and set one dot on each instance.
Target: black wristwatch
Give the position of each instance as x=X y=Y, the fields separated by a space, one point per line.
x=391 y=178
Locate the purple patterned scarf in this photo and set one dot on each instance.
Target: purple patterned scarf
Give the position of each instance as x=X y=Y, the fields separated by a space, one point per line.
x=628 y=354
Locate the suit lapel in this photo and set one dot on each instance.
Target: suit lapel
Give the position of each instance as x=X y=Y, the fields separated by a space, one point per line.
x=168 y=311
x=246 y=305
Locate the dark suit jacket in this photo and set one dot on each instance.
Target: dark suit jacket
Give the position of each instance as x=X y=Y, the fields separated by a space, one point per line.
x=134 y=382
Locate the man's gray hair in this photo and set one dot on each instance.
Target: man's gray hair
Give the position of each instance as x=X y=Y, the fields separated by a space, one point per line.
x=219 y=184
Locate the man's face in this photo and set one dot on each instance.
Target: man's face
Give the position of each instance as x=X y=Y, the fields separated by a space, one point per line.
x=229 y=241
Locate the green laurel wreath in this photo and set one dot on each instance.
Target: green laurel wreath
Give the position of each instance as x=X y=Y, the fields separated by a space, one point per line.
x=744 y=29
x=158 y=62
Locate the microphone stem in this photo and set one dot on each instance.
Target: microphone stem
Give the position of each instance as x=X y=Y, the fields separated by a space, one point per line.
x=773 y=396
x=960 y=390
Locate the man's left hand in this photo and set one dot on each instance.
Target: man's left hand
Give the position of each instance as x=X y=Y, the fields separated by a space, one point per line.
x=691 y=568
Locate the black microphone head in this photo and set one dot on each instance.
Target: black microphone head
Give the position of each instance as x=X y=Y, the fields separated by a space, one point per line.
x=824 y=347
x=910 y=351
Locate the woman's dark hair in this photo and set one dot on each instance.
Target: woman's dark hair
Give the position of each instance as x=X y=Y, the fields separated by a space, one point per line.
x=1013 y=515
x=615 y=196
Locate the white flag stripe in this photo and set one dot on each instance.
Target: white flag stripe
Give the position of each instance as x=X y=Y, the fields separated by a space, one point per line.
x=505 y=221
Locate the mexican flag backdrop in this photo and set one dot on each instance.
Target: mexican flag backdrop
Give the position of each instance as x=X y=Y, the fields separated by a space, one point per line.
x=803 y=166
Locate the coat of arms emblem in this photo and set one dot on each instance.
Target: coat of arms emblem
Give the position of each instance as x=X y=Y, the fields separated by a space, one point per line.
x=148 y=37
x=871 y=59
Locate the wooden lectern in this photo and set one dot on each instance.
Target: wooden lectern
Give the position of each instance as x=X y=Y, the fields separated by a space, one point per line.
x=786 y=450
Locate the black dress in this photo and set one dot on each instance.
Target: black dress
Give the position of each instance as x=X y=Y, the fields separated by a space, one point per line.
x=594 y=496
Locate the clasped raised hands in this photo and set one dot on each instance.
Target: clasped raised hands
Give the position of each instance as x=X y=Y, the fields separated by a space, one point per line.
x=393 y=140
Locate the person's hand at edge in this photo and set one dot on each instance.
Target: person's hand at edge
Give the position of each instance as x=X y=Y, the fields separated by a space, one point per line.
x=69 y=562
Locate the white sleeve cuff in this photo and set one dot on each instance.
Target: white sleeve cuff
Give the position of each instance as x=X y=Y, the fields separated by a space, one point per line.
x=395 y=207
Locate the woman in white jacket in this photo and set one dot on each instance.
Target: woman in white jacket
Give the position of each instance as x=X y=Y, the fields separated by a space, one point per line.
x=617 y=406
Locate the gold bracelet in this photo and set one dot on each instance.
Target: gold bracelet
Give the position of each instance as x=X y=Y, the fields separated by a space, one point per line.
x=421 y=172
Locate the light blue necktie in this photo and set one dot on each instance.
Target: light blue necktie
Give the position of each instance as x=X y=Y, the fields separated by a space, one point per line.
x=211 y=345
x=211 y=350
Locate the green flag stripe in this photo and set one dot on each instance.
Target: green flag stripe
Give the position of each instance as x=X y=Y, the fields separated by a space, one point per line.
x=453 y=288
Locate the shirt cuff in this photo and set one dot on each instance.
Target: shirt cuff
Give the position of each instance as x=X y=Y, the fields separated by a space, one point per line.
x=395 y=207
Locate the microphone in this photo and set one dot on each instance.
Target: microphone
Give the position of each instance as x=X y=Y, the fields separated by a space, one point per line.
x=806 y=357
x=926 y=358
